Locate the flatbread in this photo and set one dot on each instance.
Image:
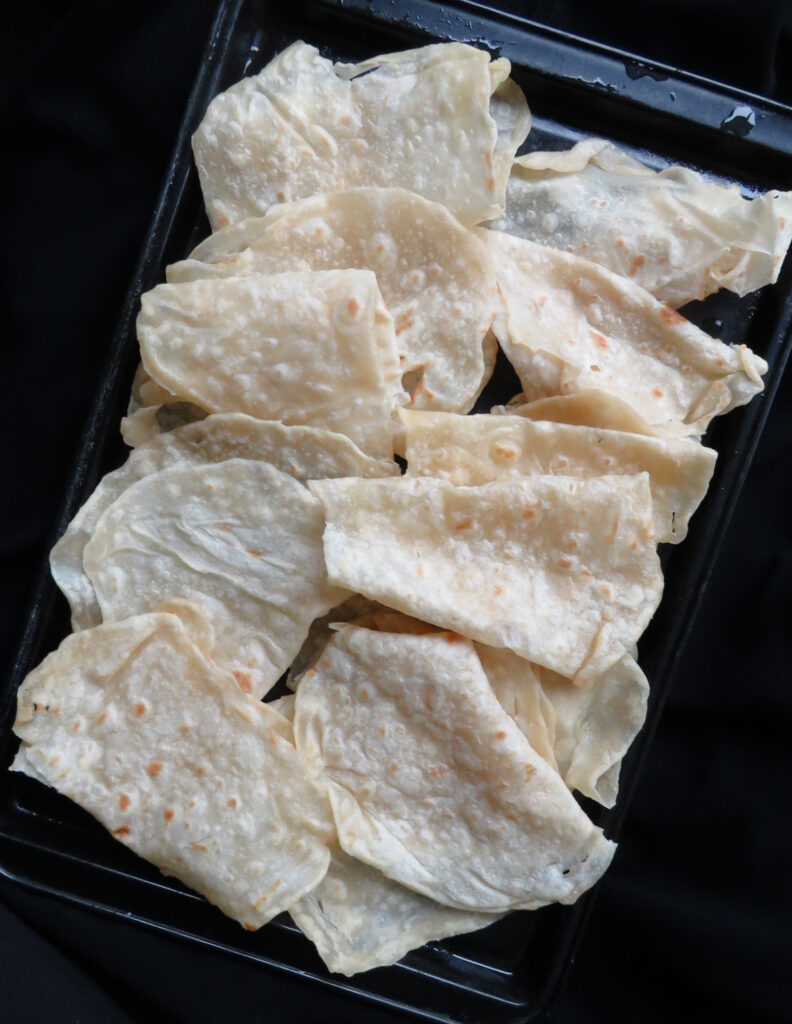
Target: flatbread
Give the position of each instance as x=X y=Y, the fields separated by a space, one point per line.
x=240 y=538
x=419 y=119
x=307 y=348
x=302 y=452
x=569 y=325
x=471 y=450
x=563 y=572
x=143 y=424
x=674 y=233
x=590 y=408
x=133 y=723
x=582 y=732
x=594 y=728
x=359 y=919
x=436 y=277
x=432 y=783
x=322 y=629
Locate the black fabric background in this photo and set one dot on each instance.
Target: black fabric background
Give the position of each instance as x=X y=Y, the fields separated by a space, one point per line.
x=694 y=921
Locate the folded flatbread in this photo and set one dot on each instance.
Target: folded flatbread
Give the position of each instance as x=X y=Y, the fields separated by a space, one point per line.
x=583 y=732
x=443 y=121
x=570 y=325
x=673 y=232
x=432 y=783
x=471 y=450
x=134 y=723
x=359 y=918
x=240 y=538
x=436 y=277
x=564 y=572
x=308 y=348
x=306 y=453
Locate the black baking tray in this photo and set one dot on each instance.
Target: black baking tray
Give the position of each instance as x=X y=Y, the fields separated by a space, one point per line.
x=514 y=970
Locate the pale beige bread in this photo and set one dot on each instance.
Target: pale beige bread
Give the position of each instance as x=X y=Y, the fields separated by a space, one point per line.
x=569 y=325
x=306 y=348
x=359 y=918
x=143 y=424
x=436 y=277
x=352 y=609
x=562 y=571
x=677 y=234
x=240 y=538
x=302 y=452
x=583 y=732
x=284 y=706
x=432 y=783
x=516 y=685
x=595 y=727
x=443 y=121
x=471 y=450
x=136 y=725
x=590 y=408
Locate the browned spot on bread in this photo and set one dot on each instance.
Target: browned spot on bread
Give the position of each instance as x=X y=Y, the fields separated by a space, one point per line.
x=200 y=847
x=154 y=768
x=124 y=801
x=353 y=306
x=123 y=831
x=600 y=341
x=232 y=803
x=244 y=680
x=403 y=326
x=636 y=265
x=101 y=719
x=671 y=316
x=140 y=709
x=501 y=734
x=169 y=814
x=497 y=591
x=463 y=524
x=254 y=552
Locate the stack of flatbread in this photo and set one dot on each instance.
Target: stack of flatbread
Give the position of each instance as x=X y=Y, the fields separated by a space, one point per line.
x=458 y=639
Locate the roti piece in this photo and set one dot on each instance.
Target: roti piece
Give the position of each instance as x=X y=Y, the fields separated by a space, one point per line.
x=142 y=425
x=240 y=538
x=322 y=629
x=305 y=348
x=592 y=408
x=564 y=572
x=583 y=733
x=569 y=325
x=436 y=277
x=594 y=728
x=133 y=723
x=470 y=450
x=359 y=919
x=302 y=452
x=432 y=783
x=419 y=119
x=516 y=685
x=674 y=233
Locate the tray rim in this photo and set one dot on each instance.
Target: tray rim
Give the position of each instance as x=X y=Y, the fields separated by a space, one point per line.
x=154 y=241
